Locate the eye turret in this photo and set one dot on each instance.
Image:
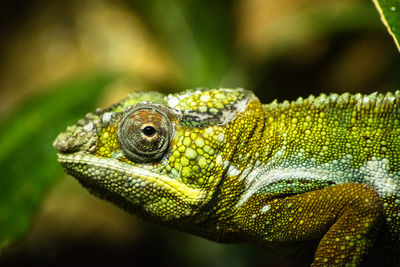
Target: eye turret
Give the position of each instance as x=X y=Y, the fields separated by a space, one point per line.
x=145 y=134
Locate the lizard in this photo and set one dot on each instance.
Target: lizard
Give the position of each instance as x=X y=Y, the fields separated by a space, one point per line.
x=317 y=176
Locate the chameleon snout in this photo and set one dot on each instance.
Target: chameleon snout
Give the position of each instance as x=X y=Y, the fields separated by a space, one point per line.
x=76 y=138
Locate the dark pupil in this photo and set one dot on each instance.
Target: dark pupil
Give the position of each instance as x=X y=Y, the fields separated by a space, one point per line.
x=148 y=131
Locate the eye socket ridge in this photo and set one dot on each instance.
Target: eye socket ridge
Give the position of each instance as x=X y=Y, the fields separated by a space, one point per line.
x=144 y=134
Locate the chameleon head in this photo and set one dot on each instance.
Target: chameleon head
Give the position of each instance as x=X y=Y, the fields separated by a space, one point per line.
x=161 y=157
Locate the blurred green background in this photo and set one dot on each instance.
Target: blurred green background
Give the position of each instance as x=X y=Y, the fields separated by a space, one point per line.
x=61 y=59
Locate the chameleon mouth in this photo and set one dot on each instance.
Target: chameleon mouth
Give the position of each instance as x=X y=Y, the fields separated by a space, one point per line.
x=112 y=173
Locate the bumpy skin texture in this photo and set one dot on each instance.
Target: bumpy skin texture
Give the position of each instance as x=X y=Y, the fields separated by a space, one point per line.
x=319 y=174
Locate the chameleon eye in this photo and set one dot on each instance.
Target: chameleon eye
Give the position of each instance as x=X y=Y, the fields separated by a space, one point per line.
x=144 y=134
x=149 y=131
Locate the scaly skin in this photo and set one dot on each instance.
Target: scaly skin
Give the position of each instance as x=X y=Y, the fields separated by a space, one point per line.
x=319 y=174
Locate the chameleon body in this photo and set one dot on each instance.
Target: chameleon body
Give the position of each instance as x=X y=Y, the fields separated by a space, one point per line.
x=320 y=174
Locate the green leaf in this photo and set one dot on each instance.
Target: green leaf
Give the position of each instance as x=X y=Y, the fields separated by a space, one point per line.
x=390 y=15
x=28 y=161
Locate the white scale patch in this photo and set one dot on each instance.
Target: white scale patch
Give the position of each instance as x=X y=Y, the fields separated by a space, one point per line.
x=88 y=127
x=221 y=138
x=232 y=170
x=377 y=175
x=228 y=115
x=174 y=100
x=106 y=117
x=265 y=208
x=374 y=172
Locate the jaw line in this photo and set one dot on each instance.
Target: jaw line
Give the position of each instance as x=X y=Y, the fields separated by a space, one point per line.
x=188 y=194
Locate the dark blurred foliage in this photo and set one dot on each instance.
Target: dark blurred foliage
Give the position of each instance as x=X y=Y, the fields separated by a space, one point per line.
x=61 y=59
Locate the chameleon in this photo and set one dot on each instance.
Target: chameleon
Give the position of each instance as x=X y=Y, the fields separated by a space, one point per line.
x=317 y=178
